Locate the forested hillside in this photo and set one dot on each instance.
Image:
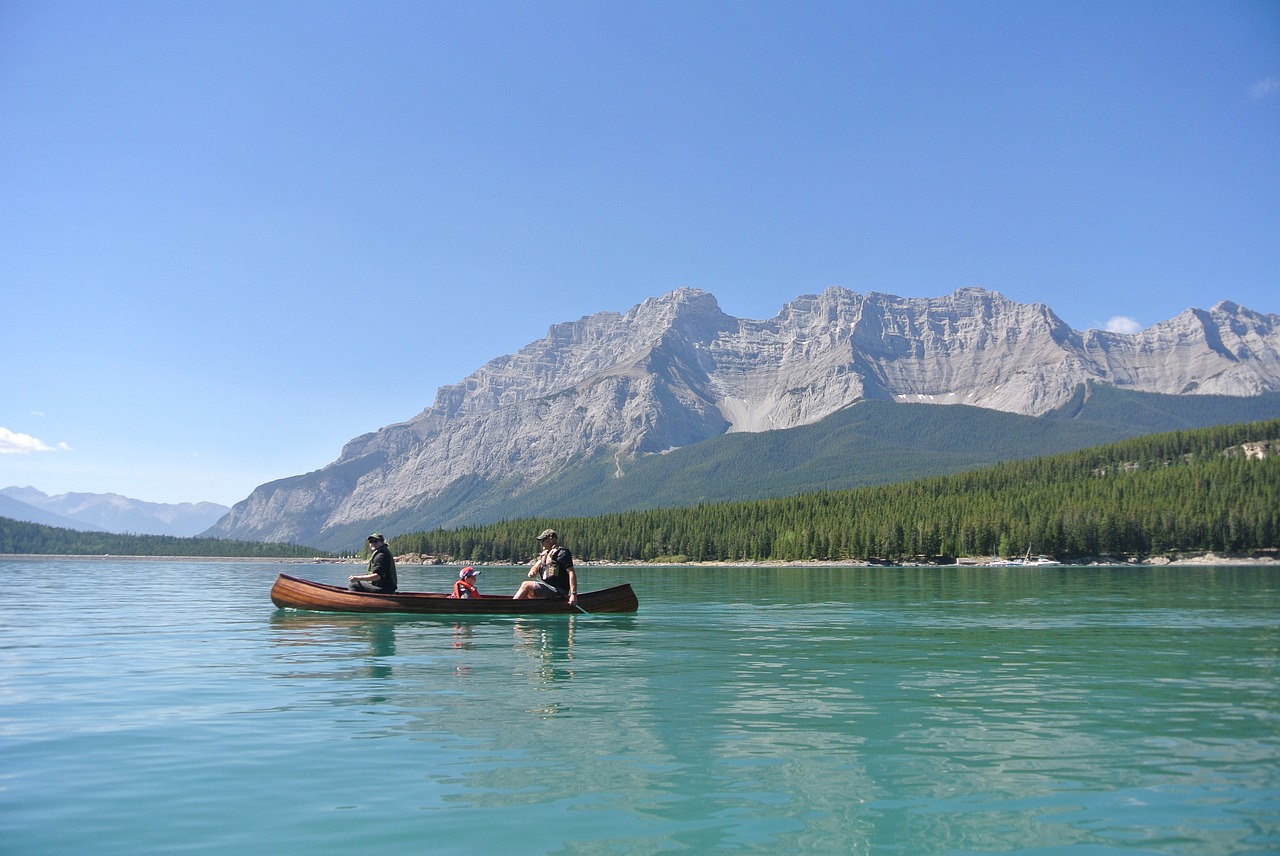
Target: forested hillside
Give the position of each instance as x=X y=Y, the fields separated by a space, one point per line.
x=1208 y=489
x=869 y=443
x=33 y=538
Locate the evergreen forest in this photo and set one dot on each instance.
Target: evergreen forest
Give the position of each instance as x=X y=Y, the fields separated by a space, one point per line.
x=33 y=538
x=1211 y=489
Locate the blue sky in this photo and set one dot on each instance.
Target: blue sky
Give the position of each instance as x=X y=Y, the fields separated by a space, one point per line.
x=235 y=235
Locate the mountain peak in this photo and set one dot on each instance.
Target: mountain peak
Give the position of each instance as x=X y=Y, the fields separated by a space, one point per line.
x=675 y=370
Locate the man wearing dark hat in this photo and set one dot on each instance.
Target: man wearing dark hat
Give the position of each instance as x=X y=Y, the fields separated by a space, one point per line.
x=382 y=569
x=551 y=574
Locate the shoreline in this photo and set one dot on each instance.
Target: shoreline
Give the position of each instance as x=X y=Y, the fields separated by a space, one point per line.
x=1190 y=560
x=1205 y=559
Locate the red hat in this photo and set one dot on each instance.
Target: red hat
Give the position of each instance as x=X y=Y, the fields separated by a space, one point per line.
x=468 y=571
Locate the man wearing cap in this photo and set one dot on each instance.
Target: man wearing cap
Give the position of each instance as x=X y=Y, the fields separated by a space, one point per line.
x=382 y=569
x=551 y=574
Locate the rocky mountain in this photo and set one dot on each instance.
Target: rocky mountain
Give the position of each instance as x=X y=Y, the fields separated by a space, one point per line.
x=109 y=512
x=676 y=370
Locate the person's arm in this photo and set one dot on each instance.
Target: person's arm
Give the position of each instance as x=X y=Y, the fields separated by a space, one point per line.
x=573 y=585
x=378 y=561
x=535 y=570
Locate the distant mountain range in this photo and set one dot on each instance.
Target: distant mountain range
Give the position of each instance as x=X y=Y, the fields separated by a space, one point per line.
x=108 y=512
x=675 y=402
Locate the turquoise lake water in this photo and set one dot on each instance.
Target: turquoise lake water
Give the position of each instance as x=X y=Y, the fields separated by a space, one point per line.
x=157 y=707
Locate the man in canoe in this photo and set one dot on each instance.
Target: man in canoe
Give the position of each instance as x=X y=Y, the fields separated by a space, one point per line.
x=381 y=577
x=552 y=573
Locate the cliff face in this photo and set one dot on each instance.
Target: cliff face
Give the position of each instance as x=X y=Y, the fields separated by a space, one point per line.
x=676 y=370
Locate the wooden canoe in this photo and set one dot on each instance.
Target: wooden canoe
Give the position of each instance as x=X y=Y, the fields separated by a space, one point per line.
x=295 y=593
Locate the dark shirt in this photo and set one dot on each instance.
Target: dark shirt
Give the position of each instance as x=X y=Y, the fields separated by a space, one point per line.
x=383 y=564
x=556 y=572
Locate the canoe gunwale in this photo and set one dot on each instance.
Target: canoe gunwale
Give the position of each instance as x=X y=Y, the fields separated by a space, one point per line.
x=290 y=592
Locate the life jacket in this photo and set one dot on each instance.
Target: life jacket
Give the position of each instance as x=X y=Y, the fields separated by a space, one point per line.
x=555 y=571
x=465 y=588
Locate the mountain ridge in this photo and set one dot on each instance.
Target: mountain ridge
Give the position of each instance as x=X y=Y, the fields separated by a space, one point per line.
x=675 y=371
x=869 y=443
x=109 y=512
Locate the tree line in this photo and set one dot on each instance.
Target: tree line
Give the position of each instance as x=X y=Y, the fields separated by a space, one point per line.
x=33 y=538
x=1182 y=491
x=1176 y=492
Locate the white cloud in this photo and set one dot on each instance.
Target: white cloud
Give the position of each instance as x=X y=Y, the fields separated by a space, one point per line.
x=1264 y=88
x=1121 y=324
x=12 y=443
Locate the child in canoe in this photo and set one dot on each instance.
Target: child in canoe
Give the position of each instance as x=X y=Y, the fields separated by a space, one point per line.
x=466 y=585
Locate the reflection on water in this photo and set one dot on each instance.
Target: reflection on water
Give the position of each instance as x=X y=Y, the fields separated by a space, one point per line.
x=369 y=643
x=463 y=634
x=793 y=710
x=549 y=645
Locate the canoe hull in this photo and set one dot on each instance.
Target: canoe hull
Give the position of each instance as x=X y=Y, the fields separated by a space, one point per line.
x=295 y=593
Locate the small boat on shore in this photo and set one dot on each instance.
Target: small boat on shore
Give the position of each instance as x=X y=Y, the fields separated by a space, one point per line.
x=1036 y=562
x=295 y=593
x=1027 y=561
